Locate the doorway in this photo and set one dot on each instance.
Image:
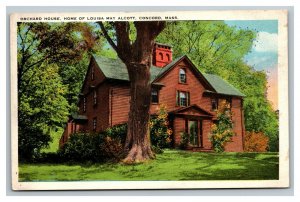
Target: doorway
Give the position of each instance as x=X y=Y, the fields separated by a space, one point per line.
x=195 y=133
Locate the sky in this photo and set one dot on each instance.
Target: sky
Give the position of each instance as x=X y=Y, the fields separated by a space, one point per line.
x=264 y=53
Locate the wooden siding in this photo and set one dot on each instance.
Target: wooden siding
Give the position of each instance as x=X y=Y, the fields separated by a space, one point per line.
x=119 y=104
x=167 y=95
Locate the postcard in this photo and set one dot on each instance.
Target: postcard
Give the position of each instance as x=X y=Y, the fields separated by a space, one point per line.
x=149 y=100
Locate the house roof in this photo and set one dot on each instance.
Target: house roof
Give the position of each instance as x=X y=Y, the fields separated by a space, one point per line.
x=108 y=67
x=76 y=116
x=116 y=69
x=222 y=86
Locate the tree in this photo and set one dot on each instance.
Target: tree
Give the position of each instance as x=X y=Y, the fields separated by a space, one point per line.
x=135 y=50
x=42 y=108
x=47 y=53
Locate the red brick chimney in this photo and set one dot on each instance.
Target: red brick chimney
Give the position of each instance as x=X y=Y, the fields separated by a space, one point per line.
x=162 y=55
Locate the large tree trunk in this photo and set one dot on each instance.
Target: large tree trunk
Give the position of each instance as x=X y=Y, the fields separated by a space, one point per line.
x=137 y=57
x=137 y=145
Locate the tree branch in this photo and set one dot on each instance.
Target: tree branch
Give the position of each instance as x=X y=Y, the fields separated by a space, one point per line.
x=108 y=38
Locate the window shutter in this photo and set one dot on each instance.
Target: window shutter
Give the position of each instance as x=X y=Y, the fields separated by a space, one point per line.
x=177 y=98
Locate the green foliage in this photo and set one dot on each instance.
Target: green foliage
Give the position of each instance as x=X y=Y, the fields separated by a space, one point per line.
x=95 y=147
x=217 y=48
x=52 y=62
x=42 y=108
x=118 y=132
x=222 y=131
x=160 y=133
x=211 y=45
x=82 y=147
x=184 y=140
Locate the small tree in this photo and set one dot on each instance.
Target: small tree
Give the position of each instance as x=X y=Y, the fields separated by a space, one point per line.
x=256 y=142
x=222 y=131
x=159 y=129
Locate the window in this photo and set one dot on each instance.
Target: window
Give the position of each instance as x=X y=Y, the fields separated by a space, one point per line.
x=154 y=96
x=182 y=76
x=84 y=104
x=182 y=98
x=93 y=73
x=94 y=123
x=214 y=104
x=95 y=97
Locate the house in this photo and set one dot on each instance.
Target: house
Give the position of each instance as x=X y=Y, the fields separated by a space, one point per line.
x=191 y=98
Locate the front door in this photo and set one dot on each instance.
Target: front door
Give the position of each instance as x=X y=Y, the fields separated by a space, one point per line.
x=193 y=133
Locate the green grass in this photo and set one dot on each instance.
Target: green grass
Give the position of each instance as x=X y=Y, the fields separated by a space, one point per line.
x=171 y=165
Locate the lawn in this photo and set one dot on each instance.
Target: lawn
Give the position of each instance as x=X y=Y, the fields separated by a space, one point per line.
x=171 y=165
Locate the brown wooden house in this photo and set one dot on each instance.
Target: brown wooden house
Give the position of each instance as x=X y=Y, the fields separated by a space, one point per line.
x=190 y=97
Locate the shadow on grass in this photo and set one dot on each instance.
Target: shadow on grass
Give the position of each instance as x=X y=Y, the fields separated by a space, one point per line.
x=240 y=166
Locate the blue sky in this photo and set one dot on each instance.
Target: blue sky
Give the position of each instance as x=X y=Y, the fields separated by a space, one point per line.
x=264 y=54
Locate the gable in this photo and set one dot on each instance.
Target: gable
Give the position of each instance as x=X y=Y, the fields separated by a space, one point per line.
x=171 y=71
x=194 y=110
x=99 y=77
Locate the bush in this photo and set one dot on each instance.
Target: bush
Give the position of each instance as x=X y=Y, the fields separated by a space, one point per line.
x=160 y=133
x=117 y=132
x=96 y=147
x=184 y=140
x=83 y=147
x=30 y=141
x=256 y=142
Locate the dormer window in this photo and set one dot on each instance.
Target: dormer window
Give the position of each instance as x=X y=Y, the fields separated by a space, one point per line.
x=182 y=76
x=154 y=96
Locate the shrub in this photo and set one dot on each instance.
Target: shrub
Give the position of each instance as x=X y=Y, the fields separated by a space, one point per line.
x=222 y=131
x=117 y=132
x=96 y=147
x=160 y=133
x=157 y=150
x=184 y=140
x=256 y=142
x=83 y=147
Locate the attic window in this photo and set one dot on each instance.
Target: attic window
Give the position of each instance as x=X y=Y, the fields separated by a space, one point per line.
x=182 y=76
x=93 y=73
